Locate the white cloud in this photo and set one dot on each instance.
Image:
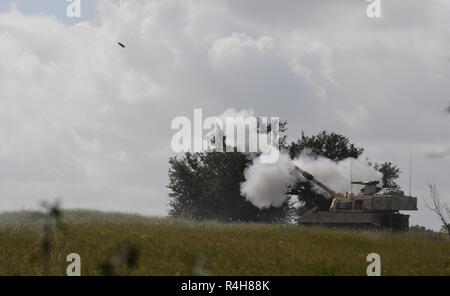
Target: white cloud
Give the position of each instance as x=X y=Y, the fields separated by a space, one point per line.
x=236 y=48
x=437 y=151
x=136 y=88
x=354 y=117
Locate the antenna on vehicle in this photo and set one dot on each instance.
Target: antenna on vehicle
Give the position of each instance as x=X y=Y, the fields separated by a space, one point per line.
x=410 y=172
x=351 y=176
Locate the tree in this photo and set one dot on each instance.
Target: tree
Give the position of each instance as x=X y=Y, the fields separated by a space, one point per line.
x=439 y=208
x=206 y=186
x=390 y=173
x=327 y=144
x=418 y=228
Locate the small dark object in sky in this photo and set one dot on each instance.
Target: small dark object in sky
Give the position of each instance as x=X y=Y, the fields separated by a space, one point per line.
x=448 y=109
x=121 y=44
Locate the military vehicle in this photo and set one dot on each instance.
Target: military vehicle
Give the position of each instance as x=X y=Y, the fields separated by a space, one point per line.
x=372 y=208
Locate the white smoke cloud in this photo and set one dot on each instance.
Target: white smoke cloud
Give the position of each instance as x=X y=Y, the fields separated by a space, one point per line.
x=265 y=185
x=338 y=175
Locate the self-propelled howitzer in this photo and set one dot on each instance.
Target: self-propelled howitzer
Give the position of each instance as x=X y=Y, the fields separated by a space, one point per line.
x=372 y=207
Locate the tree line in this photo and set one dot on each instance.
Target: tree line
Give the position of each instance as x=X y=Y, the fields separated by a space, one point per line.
x=206 y=185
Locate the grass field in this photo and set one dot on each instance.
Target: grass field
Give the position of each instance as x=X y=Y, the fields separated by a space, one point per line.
x=173 y=247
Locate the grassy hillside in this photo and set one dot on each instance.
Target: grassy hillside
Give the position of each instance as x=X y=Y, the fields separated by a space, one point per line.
x=172 y=247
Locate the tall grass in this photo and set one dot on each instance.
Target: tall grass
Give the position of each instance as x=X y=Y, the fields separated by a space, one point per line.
x=174 y=247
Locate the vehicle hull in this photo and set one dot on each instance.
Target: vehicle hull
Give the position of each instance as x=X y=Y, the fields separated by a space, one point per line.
x=360 y=220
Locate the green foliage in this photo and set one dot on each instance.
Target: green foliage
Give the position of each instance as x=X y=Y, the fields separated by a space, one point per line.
x=418 y=228
x=327 y=144
x=390 y=173
x=206 y=186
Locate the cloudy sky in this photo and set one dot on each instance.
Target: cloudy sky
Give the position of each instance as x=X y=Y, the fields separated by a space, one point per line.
x=87 y=121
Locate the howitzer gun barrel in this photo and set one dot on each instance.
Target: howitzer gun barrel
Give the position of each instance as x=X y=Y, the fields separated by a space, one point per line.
x=311 y=178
